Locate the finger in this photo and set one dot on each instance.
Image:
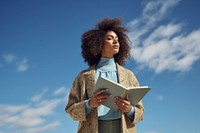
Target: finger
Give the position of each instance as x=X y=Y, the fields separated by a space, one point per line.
x=119 y=99
x=127 y=98
x=101 y=91
x=121 y=106
x=119 y=102
x=100 y=101
x=123 y=100
x=103 y=96
x=126 y=102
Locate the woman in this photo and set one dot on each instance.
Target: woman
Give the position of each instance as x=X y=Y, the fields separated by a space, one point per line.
x=105 y=48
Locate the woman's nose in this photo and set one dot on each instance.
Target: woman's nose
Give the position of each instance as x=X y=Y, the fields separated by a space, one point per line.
x=115 y=41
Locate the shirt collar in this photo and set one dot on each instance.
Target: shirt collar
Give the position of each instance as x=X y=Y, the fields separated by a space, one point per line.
x=106 y=64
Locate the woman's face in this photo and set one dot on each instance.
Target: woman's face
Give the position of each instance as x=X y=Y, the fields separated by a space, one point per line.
x=110 y=45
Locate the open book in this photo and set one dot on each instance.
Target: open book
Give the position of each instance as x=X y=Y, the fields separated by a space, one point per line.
x=135 y=94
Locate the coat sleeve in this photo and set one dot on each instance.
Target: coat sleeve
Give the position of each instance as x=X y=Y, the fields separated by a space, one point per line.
x=76 y=105
x=139 y=108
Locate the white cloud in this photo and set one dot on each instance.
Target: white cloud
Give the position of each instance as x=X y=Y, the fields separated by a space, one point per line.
x=159 y=98
x=60 y=91
x=38 y=97
x=12 y=108
x=162 y=47
x=43 y=128
x=32 y=117
x=22 y=65
x=9 y=58
x=153 y=12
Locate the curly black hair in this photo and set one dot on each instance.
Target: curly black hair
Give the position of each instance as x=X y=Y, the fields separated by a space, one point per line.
x=92 y=41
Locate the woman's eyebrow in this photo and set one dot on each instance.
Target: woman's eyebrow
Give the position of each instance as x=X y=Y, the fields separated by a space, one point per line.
x=112 y=36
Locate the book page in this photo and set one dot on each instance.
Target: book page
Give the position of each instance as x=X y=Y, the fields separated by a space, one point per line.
x=114 y=89
x=135 y=94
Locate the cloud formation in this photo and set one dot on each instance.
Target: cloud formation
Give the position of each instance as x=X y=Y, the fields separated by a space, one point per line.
x=162 y=47
x=9 y=58
x=60 y=91
x=33 y=117
x=38 y=97
x=20 y=64
x=159 y=98
x=43 y=128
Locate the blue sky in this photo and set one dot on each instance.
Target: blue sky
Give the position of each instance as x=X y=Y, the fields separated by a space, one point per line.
x=40 y=56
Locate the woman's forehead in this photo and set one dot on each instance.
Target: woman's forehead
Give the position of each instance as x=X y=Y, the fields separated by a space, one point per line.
x=110 y=33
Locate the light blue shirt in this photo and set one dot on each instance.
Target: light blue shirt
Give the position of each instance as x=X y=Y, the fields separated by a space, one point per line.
x=107 y=68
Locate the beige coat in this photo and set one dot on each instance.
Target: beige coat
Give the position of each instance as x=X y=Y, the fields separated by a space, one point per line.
x=82 y=90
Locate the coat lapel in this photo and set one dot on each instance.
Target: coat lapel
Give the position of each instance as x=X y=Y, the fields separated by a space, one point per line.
x=90 y=80
x=121 y=74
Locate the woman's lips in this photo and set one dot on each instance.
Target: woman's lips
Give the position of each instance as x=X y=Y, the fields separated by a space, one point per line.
x=116 y=46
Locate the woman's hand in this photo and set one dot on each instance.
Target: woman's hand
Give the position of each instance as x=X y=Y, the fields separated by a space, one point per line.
x=98 y=98
x=123 y=104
